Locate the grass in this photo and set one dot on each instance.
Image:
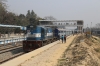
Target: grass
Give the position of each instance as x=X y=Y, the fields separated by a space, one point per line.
x=32 y=57
x=61 y=59
x=99 y=57
x=97 y=50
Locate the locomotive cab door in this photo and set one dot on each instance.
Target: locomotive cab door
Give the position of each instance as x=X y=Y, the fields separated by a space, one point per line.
x=42 y=33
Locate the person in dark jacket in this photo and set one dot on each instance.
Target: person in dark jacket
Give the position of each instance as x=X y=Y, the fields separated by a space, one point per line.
x=65 y=38
x=62 y=38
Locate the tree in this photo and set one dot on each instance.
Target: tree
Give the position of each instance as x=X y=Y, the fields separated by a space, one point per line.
x=31 y=17
x=23 y=20
x=2 y=11
x=22 y=16
x=9 y=18
x=28 y=14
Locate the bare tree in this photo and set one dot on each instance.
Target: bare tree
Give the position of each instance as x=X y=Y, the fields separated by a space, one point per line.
x=97 y=25
x=2 y=2
x=49 y=18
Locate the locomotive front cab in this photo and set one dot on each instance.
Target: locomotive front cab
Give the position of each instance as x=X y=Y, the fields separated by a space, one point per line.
x=35 y=36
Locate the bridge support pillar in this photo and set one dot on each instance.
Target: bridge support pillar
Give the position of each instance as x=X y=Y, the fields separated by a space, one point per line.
x=80 y=29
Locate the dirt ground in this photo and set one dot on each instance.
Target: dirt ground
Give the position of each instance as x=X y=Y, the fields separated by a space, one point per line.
x=82 y=51
x=49 y=57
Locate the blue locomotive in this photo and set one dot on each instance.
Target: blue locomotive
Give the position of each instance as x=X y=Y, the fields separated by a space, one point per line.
x=39 y=36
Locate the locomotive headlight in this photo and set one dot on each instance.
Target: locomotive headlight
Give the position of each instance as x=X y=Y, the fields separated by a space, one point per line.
x=38 y=35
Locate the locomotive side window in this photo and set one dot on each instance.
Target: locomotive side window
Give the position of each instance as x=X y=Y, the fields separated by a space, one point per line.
x=46 y=32
x=42 y=32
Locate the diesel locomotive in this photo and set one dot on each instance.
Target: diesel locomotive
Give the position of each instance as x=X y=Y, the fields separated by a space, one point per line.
x=39 y=36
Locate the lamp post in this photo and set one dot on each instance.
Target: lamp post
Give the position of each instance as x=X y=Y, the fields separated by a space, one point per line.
x=91 y=30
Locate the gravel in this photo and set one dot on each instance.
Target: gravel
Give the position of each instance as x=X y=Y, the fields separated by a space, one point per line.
x=10 y=53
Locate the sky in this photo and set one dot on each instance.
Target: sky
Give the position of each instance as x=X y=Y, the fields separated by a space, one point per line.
x=86 y=10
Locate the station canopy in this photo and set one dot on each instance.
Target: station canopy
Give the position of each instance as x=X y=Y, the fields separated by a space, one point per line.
x=13 y=26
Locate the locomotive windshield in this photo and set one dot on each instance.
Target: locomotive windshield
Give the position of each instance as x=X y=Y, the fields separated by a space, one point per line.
x=30 y=29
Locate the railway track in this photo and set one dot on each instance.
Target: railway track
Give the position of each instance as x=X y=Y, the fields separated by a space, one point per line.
x=14 y=56
x=9 y=51
x=8 y=46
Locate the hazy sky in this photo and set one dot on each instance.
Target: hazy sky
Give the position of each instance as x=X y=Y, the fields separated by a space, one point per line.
x=86 y=10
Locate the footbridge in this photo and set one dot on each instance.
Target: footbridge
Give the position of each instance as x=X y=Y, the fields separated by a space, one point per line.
x=63 y=23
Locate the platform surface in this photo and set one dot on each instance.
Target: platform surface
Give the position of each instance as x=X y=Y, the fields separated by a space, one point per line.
x=22 y=59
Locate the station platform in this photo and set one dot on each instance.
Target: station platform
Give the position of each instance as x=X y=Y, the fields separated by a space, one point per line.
x=19 y=61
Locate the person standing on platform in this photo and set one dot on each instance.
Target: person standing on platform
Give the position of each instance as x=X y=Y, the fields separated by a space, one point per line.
x=65 y=38
x=59 y=37
x=62 y=38
x=73 y=33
